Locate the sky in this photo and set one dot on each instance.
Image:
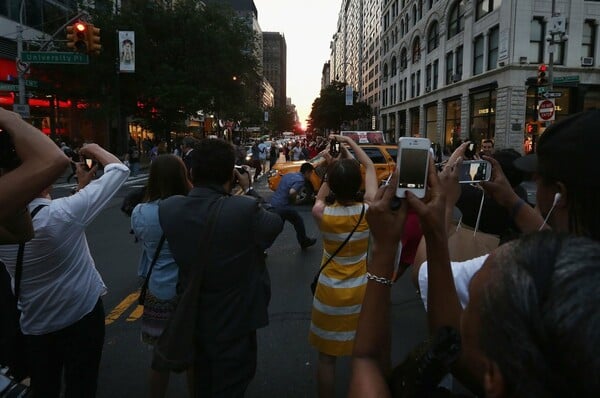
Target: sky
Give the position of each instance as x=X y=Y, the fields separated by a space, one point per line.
x=308 y=26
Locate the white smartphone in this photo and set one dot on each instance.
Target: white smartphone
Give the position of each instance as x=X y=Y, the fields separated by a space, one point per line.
x=412 y=163
x=472 y=171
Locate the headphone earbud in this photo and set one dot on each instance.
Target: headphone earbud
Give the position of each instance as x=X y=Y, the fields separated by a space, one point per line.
x=557 y=197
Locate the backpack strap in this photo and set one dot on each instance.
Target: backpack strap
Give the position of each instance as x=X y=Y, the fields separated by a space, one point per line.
x=19 y=264
x=142 y=297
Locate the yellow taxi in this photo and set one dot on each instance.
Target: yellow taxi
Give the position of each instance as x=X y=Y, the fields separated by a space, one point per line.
x=383 y=157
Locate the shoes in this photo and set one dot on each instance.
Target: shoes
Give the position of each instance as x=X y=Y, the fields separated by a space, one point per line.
x=308 y=242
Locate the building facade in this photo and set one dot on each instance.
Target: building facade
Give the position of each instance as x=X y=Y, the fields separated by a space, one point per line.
x=275 y=64
x=355 y=51
x=457 y=70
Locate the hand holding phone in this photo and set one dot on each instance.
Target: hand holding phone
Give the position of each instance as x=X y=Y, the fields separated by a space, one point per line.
x=89 y=163
x=472 y=171
x=412 y=163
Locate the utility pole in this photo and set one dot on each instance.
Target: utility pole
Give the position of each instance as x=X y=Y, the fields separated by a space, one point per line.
x=20 y=70
x=552 y=48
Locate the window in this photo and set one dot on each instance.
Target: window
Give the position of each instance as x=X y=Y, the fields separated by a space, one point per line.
x=402 y=28
x=449 y=67
x=430 y=120
x=452 y=123
x=433 y=37
x=435 y=74
x=493 y=48
x=416 y=50
x=394 y=67
x=418 y=83
x=483 y=116
x=420 y=9
x=428 y=78
x=588 y=41
x=386 y=21
x=559 y=53
x=412 y=85
x=405 y=87
x=401 y=92
x=459 y=62
x=414 y=122
x=415 y=16
x=478 y=55
x=403 y=61
x=536 y=41
x=385 y=72
x=456 y=17
x=484 y=7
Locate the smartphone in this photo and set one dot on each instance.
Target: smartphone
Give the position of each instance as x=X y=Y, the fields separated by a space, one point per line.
x=472 y=171
x=413 y=163
x=470 y=151
x=334 y=148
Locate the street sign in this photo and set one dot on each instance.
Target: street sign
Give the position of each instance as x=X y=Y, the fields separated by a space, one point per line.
x=542 y=89
x=552 y=94
x=22 y=66
x=9 y=87
x=41 y=57
x=566 y=79
x=22 y=110
x=546 y=110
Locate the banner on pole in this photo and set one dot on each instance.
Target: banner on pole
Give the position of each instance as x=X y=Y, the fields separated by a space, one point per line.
x=126 y=51
x=349 y=95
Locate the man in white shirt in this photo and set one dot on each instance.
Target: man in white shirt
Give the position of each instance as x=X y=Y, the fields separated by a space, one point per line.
x=62 y=314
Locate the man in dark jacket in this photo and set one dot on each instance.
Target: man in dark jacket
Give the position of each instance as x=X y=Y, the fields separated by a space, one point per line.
x=224 y=262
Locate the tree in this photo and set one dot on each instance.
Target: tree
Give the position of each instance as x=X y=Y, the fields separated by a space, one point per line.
x=329 y=110
x=189 y=57
x=281 y=119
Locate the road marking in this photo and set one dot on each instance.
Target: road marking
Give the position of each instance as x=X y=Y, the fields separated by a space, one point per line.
x=121 y=308
x=136 y=314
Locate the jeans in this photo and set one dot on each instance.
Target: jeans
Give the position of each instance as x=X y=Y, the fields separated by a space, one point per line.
x=77 y=348
x=288 y=213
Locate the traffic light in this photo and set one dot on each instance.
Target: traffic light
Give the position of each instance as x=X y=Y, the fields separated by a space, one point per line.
x=532 y=128
x=93 y=39
x=541 y=75
x=77 y=37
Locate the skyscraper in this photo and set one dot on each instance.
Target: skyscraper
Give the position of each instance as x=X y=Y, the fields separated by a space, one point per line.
x=275 y=63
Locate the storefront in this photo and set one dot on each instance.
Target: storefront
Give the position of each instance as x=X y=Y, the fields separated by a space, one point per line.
x=431 y=121
x=483 y=115
x=452 y=123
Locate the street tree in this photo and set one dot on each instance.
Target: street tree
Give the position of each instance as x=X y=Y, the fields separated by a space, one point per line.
x=329 y=110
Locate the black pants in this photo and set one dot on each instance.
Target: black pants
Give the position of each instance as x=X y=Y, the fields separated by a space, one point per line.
x=76 y=350
x=225 y=369
x=290 y=214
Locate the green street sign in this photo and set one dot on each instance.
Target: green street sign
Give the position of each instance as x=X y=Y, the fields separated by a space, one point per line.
x=542 y=89
x=566 y=79
x=41 y=57
x=9 y=87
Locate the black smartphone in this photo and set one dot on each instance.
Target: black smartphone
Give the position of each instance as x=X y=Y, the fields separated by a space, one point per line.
x=334 y=148
x=470 y=151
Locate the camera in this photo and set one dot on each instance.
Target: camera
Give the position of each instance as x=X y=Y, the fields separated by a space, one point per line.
x=8 y=155
x=9 y=388
x=334 y=148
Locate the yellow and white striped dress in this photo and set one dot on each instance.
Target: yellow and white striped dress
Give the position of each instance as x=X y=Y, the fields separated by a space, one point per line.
x=341 y=288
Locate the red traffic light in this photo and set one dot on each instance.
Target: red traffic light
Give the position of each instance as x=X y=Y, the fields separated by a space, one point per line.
x=80 y=27
x=542 y=68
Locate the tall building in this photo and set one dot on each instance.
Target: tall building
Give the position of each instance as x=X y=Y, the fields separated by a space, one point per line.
x=355 y=49
x=456 y=70
x=275 y=64
x=326 y=75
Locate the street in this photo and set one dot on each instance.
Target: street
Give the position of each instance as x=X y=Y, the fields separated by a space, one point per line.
x=286 y=362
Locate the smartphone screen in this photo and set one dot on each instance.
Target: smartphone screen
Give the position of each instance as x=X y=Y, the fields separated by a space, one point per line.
x=413 y=167
x=475 y=171
x=89 y=163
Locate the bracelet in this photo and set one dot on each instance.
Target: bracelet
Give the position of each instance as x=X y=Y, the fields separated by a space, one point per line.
x=515 y=209
x=379 y=279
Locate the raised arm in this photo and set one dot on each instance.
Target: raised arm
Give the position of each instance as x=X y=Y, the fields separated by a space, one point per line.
x=371 y=183
x=42 y=162
x=371 y=355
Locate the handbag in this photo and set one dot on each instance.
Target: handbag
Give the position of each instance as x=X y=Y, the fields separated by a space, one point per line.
x=313 y=285
x=13 y=340
x=174 y=349
x=142 y=296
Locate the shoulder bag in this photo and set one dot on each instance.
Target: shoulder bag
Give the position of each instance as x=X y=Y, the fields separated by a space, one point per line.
x=175 y=347
x=313 y=285
x=142 y=296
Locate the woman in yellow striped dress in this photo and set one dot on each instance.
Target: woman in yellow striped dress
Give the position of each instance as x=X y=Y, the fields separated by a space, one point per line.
x=341 y=285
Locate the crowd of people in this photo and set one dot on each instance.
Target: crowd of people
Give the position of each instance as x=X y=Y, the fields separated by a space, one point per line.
x=520 y=313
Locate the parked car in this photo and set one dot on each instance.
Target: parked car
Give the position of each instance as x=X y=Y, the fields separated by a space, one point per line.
x=383 y=157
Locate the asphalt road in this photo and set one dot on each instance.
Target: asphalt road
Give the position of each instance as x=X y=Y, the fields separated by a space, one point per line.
x=286 y=362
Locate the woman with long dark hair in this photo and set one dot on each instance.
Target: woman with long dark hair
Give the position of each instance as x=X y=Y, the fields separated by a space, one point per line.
x=168 y=177
x=341 y=284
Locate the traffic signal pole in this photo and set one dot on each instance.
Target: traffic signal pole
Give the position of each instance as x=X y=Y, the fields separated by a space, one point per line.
x=552 y=48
